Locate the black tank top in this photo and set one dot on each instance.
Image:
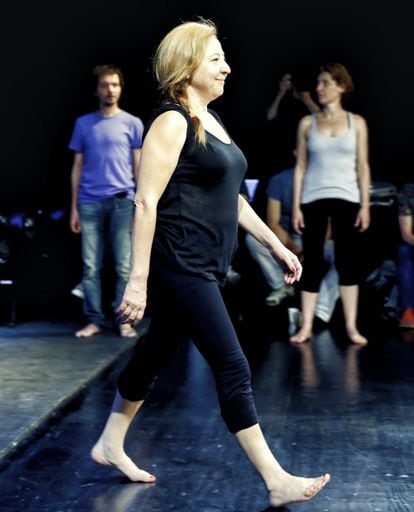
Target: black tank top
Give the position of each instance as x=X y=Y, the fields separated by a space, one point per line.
x=197 y=218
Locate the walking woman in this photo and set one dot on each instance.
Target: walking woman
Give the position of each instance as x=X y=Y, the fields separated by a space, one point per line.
x=187 y=212
x=331 y=184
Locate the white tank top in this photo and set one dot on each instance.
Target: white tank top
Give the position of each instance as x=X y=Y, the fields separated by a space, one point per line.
x=332 y=165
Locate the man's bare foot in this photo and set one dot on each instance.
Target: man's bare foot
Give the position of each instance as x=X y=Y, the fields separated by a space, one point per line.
x=302 y=336
x=293 y=489
x=357 y=338
x=120 y=461
x=88 y=331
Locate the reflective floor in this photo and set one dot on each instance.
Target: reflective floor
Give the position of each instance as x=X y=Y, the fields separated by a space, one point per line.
x=324 y=406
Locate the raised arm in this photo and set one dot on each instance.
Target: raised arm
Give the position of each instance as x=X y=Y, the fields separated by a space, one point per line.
x=364 y=173
x=306 y=98
x=284 y=85
x=159 y=158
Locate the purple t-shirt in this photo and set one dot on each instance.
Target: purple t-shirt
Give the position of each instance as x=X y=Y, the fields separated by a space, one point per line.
x=107 y=145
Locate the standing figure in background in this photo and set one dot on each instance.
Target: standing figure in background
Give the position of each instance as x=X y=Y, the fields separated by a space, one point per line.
x=331 y=184
x=405 y=257
x=107 y=146
x=188 y=208
x=279 y=218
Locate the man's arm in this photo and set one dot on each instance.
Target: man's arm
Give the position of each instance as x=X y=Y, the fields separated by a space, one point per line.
x=136 y=156
x=74 y=181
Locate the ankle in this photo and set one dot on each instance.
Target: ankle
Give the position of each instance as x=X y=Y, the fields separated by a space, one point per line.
x=306 y=327
x=276 y=479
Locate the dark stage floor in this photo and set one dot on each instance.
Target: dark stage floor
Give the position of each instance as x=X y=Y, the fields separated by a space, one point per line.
x=324 y=406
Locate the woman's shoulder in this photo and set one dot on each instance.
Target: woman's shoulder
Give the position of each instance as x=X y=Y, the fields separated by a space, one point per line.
x=214 y=114
x=305 y=123
x=170 y=106
x=307 y=120
x=359 y=121
x=170 y=116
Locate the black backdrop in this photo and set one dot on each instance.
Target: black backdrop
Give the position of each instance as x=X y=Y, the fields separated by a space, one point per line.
x=49 y=49
x=48 y=52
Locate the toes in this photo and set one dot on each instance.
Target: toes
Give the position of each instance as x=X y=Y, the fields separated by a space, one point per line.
x=358 y=339
x=300 y=338
x=317 y=486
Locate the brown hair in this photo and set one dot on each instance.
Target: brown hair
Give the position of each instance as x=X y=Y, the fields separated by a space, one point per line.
x=177 y=57
x=340 y=74
x=108 y=69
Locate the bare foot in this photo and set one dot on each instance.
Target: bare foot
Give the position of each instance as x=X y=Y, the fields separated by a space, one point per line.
x=121 y=461
x=88 y=331
x=126 y=331
x=302 y=336
x=357 y=338
x=293 y=489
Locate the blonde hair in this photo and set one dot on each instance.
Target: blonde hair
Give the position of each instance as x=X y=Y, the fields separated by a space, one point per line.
x=177 y=57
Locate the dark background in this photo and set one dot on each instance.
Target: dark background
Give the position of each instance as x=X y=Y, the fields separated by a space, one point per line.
x=50 y=48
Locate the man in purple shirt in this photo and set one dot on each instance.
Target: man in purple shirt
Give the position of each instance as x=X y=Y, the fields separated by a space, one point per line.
x=107 y=150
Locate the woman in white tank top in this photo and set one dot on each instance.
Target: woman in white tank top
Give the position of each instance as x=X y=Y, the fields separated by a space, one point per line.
x=331 y=184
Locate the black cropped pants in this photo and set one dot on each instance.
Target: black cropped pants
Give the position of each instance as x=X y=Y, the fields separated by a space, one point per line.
x=346 y=237
x=190 y=307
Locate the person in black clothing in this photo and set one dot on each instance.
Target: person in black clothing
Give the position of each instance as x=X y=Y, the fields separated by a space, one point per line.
x=188 y=209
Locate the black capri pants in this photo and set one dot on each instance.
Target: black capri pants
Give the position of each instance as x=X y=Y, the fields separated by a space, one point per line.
x=346 y=237
x=190 y=307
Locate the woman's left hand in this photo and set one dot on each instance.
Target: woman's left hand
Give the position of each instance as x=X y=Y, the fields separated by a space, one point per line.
x=363 y=219
x=289 y=262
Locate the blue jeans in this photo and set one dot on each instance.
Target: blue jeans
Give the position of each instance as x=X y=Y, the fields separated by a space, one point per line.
x=405 y=275
x=105 y=222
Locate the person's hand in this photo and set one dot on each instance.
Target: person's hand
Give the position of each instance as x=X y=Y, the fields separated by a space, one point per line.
x=74 y=222
x=289 y=262
x=285 y=84
x=363 y=219
x=297 y=221
x=132 y=308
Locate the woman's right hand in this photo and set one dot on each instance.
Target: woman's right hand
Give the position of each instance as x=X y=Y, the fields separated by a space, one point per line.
x=132 y=308
x=297 y=221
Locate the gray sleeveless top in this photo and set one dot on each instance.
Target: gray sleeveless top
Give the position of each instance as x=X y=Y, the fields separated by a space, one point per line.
x=332 y=166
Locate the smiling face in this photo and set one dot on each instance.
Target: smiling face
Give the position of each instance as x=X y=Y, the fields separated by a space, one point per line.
x=208 y=79
x=328 y=90
x=109 y=90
